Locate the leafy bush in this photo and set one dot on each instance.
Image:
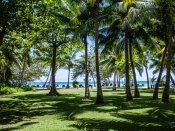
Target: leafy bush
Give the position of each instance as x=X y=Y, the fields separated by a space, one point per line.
x=9 y=90
x=75 y=84
x=28 y=88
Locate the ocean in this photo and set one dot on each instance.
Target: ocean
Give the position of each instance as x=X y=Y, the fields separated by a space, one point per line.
x=62 y=84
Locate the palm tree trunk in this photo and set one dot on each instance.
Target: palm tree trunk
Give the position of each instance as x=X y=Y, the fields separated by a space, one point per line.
x=147 y=76
x=127 y=85
x=136 y=92
x=50 y=81
x=68 y=79
x=87 y=93
x=53 y=91
x=172 y=80
x=93 y=78
x=165 y=96
x=23 y=69
x=155 y=94
x=108 y=81
x=99 y=98
x=118 y=80
x=44 y=85
x=114 y=85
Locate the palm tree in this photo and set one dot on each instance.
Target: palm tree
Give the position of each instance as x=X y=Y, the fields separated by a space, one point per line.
x=54 y=31
x=80 y=69
x=108 y=64
x=82 y=31
x=127 y=84
x=166 y=21
x=87 y=93
x=165 y=96
x=168 y=17
x=136 y=92
x=99 y=98
x=55 y=45
x=53 y=91
x=145 y=64
x=155 y=94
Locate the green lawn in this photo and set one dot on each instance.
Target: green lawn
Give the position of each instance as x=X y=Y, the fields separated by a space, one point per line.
x=34 y=111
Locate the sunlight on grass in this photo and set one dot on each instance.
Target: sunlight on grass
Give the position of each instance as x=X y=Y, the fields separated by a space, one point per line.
x=139 y=112
x=69 y=112
x=101 y=116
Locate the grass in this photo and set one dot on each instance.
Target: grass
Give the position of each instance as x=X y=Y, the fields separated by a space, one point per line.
x=34 y=111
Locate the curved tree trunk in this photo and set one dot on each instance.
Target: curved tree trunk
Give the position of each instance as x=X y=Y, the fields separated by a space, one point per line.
x=53 y=91
x=147 y=76
x=127 y=85
x=44 y=85
x=23 y=69
x=50 y=81
x=172 y=80
x=114 y=84
x=87 y=93
x=136 y=92
x=165 y=96
x=93 y=78
x=155 y=94
x=99 y=98
x=21 y=77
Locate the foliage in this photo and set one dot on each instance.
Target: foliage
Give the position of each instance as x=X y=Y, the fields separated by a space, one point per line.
x=5 y=90
x=75 y=84
x=29 y=29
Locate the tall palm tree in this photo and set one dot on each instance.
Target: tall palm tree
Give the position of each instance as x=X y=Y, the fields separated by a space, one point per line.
x=82 y=32
x=127 y=83
x=99 y=98
x=165 y=96
x=87 y=93
x=155 y=94
x=136 y=92
x=168 y=17
x=55 y=33
x=165 y=9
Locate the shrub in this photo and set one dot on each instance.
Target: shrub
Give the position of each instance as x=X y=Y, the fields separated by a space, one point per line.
x=9 y=90
x=28 y=88
x=75 y=84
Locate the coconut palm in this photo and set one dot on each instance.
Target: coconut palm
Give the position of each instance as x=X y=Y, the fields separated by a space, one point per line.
x=158 y=63
x=166 y=19
x=82 y=30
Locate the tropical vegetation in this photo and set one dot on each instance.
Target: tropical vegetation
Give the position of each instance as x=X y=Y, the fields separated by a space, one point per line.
x=37 y=38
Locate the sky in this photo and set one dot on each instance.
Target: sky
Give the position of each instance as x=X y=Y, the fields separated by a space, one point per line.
x=62 y=74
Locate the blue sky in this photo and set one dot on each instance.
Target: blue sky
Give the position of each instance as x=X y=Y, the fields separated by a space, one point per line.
x=61 y=74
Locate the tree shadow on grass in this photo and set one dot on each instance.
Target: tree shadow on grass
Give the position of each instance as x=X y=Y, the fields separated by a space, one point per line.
x=128 y=125
x=154 y=117
x=28 y=106
x=69 y=106
x=19 y=127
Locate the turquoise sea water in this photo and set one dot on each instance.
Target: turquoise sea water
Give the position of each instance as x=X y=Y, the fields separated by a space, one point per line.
x=60 y=84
